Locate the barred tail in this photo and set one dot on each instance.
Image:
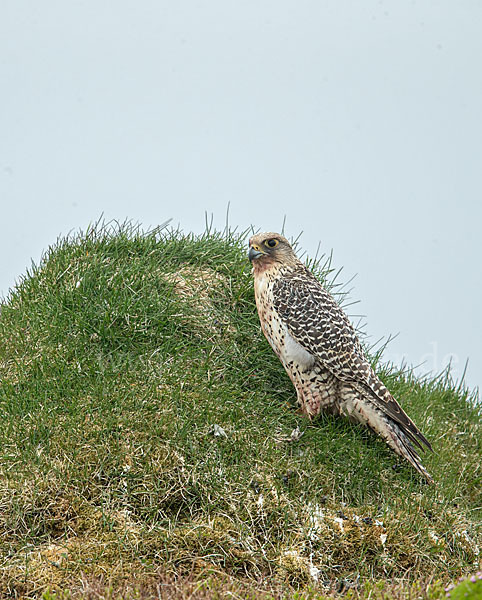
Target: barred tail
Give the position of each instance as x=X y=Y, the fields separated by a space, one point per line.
x=367 y=412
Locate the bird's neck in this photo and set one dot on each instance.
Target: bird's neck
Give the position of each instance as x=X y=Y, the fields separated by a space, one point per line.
x=269 y=265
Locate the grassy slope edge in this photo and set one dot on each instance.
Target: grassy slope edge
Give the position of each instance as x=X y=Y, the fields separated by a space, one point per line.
x=146 y=435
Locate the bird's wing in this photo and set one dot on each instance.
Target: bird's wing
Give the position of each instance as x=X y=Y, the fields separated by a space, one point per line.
x=315 y=320
x=317 y=323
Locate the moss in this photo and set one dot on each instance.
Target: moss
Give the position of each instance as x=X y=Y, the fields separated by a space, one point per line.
x=469 y=588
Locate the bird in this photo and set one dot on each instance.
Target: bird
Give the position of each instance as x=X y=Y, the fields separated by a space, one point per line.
x=320 y=350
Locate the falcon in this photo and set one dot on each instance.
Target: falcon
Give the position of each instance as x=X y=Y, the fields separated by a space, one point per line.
x=320 y=351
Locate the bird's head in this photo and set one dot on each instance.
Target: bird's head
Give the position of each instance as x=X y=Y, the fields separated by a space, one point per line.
x=267 y=249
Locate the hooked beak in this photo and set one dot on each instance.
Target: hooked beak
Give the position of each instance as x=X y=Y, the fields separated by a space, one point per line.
x=253 y=254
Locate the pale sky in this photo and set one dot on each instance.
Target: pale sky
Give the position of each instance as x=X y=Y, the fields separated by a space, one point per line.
x=358 y=121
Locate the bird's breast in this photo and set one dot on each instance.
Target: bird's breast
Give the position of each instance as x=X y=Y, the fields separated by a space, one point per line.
x=274 y=328
x=295 y=353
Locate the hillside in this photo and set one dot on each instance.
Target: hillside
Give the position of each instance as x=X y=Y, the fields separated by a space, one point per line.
x=146 y=437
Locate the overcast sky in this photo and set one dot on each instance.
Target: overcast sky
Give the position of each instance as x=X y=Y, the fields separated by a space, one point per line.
x=358 y=121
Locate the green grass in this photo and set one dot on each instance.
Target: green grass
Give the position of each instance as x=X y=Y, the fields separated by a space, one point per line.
x=119 y=354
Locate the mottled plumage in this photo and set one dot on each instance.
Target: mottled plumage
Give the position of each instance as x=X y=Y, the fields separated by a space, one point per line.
x=320 y=350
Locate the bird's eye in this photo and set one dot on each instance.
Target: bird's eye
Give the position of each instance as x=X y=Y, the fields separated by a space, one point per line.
x=271 y=243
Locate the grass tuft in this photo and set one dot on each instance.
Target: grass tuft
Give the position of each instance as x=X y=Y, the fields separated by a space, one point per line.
x=146 y=442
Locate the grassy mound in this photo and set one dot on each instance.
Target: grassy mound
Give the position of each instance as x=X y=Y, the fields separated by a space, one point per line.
x=146 y=436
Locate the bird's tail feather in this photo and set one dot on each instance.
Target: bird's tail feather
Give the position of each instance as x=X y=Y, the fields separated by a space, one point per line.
x=367 y=412
x=404 y=448
x=381 y=397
